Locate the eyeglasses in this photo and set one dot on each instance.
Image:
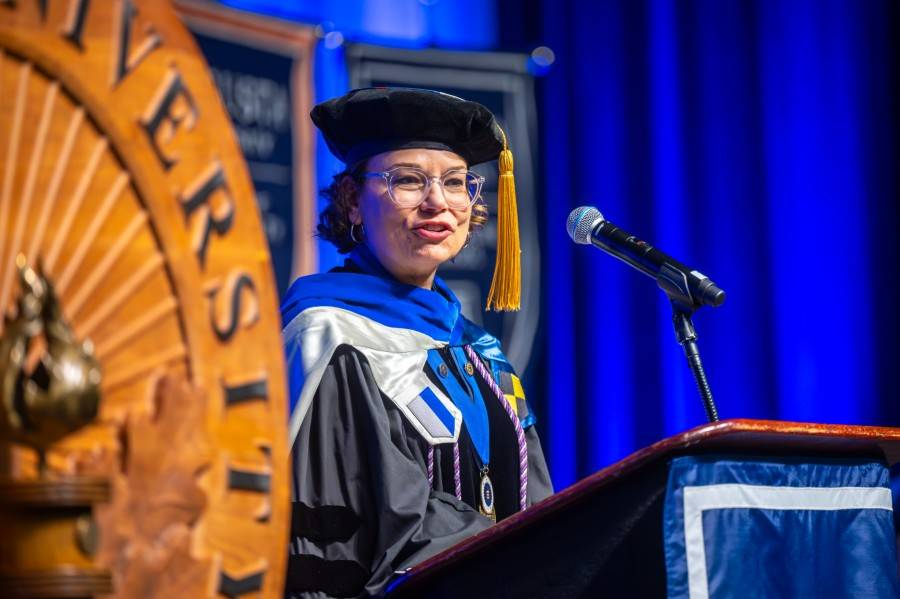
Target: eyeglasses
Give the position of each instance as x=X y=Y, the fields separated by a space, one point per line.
x=408 y=186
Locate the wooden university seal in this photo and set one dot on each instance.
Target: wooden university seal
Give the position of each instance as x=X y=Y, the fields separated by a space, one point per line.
x=122 y=185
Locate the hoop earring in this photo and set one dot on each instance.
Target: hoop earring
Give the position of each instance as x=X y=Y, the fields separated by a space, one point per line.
x=465 y=245
x=353 y=233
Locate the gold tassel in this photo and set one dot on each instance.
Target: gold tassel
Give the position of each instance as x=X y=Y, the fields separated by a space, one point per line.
x=506 y=286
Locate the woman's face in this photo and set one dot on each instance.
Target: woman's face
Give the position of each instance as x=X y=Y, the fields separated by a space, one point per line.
x=411 y=242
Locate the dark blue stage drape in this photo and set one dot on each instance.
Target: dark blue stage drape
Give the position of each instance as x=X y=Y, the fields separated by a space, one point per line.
x=755 y=141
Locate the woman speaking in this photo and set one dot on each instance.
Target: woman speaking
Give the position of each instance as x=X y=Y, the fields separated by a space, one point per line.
x=409 y=428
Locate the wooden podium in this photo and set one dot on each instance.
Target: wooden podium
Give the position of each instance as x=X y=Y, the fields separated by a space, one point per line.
x=603 y=536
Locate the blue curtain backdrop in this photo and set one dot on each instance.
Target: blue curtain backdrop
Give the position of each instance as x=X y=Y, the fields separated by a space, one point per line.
x=756 y=141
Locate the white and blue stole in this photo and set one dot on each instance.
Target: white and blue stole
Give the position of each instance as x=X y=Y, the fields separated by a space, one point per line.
x=395 y=326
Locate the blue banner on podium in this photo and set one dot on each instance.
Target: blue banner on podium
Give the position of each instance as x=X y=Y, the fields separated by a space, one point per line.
x=757 y=527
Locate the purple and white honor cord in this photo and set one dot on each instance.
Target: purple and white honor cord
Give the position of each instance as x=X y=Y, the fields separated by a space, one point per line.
x=520 y=434
x=457 y=475
x=457 y=478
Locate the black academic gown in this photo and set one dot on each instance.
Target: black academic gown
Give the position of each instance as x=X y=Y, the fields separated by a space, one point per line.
x=363 y=507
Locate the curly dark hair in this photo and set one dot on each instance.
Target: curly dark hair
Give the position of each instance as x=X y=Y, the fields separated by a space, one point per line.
x=334 y=220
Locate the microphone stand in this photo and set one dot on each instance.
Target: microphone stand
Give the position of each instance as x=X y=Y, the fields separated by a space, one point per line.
x=675 y=287
x=687 y=338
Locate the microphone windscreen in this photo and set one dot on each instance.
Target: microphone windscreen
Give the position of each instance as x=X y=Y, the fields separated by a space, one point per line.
x=581 y=222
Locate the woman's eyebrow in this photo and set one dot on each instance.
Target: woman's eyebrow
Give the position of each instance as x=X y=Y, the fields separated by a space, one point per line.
x=457 y=167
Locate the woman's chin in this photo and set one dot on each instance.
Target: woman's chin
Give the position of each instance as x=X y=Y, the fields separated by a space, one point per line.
x=428 y=259
x=431 y=256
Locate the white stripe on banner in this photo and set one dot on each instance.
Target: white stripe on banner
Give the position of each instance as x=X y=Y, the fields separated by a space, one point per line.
x=716 y=497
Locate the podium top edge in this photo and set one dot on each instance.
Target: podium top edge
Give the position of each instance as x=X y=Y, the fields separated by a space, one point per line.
x=783 y=427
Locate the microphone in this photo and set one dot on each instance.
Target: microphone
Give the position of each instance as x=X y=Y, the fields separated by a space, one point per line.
x=586 y=225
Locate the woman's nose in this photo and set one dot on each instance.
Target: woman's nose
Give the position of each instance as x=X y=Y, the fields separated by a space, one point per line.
x=434 y=199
